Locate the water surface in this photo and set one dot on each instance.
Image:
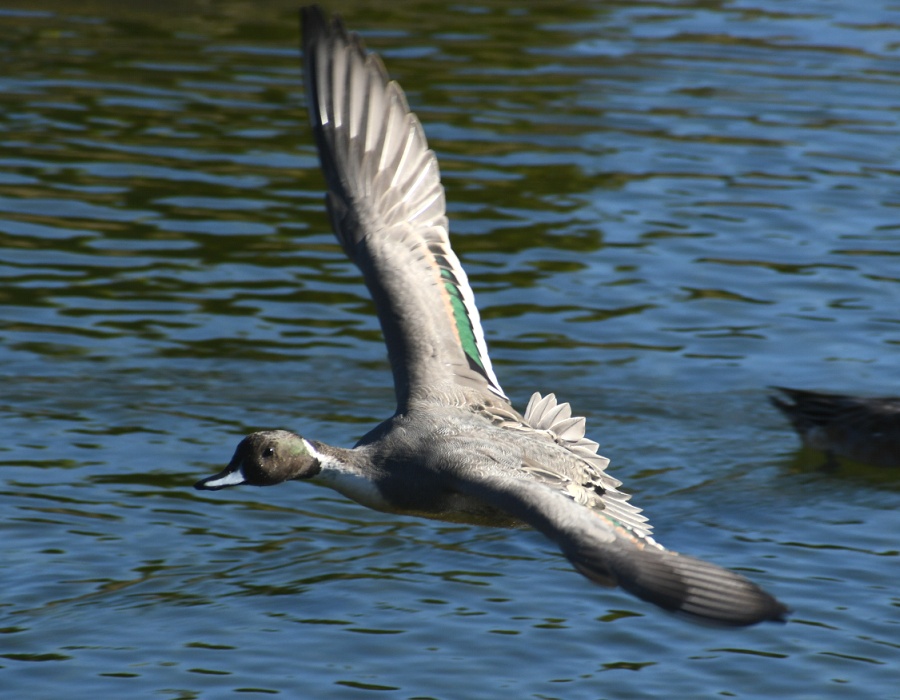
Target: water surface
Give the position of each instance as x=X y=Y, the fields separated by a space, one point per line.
x=664 y=208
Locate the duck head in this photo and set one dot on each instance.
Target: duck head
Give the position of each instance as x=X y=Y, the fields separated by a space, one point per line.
x=266 y=458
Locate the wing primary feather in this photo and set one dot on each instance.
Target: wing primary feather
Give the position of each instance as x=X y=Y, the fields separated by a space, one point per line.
x=386 y=204
x=612 y=554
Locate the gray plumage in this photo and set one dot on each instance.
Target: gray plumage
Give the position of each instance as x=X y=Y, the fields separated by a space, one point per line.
x=456 y=449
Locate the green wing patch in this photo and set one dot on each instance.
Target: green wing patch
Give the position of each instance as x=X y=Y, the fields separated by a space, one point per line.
x=461 y=318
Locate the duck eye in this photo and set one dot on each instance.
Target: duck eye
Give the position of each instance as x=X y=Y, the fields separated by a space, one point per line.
x=268 y=452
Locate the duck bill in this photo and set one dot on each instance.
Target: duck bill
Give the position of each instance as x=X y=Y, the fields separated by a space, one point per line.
x=232 y=475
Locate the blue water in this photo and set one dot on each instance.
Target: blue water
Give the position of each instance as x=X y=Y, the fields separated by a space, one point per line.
x=664 y=208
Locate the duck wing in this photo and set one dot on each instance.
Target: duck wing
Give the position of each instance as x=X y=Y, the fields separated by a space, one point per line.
x=546 y=474
x=386 y=204
x=609 y=552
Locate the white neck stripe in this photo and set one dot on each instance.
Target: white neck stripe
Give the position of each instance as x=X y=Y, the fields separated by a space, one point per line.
x=313 y=452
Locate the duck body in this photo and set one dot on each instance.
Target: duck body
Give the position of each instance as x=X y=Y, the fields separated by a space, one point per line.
x=420 y=466
x=455 y=449
x=430 y=462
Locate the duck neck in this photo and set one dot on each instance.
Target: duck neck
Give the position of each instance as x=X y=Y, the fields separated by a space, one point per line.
x=351 y=473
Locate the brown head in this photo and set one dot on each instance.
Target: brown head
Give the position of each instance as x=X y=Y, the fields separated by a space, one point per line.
x=266 y=458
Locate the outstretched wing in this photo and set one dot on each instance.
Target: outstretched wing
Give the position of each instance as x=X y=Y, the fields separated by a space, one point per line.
x=386 y=204
x=612 y=554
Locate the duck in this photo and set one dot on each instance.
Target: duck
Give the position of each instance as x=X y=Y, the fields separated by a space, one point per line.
x=859 y=428
x=455 y=448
